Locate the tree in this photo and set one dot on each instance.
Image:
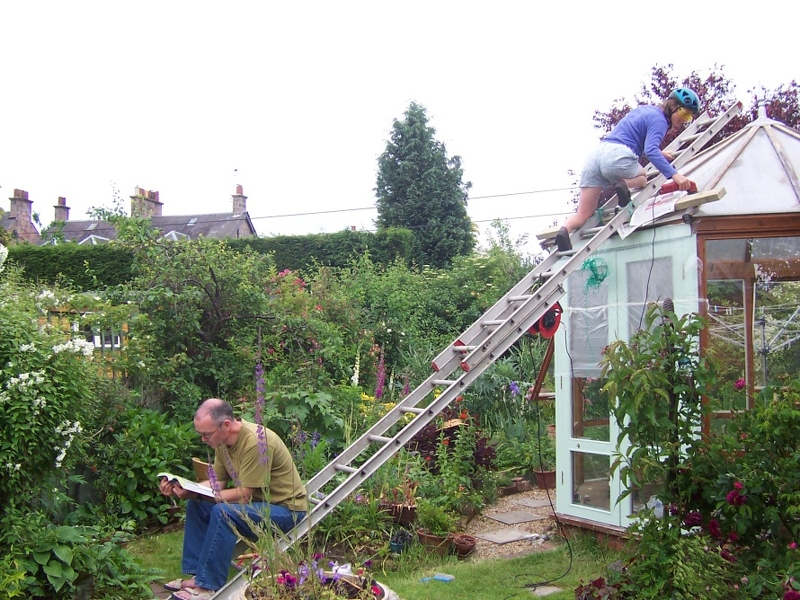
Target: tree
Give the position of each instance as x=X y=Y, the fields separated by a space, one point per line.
x=716 y=95
x=421 y=189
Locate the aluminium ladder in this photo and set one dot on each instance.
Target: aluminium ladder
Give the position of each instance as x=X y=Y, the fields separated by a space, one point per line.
x=485 y=341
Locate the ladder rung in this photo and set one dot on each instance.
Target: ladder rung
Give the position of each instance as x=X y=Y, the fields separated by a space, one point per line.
x=691 y=138
x=442 y=382
x=314 y=500
x=344 y=468
x=380 y=438
x=519 y=298
x=464 y=348
x=589 y=231
x=492 y=322
x=415 y=411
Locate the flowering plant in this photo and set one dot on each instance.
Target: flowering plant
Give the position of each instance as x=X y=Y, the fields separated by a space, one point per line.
x=314 y=578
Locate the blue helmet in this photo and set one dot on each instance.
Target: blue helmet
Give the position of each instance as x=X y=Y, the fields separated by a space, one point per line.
x=686 y=98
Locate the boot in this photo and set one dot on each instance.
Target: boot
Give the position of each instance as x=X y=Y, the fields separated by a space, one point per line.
x=563 y=242
x=623 y=195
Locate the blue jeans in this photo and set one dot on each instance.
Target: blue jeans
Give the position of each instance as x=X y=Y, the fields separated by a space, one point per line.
x=209 y=538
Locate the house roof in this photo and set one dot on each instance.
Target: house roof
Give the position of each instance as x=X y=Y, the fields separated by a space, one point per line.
x=218 y=226
x=759 y=167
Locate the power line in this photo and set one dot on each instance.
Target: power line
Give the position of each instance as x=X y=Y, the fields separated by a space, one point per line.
x=343 y=210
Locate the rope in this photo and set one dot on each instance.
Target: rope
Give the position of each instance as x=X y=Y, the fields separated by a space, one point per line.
x=598 y=269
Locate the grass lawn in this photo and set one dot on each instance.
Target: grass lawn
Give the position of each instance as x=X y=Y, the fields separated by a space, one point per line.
x=495 y=579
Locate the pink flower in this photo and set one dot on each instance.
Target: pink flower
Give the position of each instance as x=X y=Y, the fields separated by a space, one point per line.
x=737 y=486
x=792 y=546
x=739 y=384
x=791 y=595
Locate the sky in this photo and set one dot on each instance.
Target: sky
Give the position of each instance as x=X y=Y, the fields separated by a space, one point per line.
x=295 y=100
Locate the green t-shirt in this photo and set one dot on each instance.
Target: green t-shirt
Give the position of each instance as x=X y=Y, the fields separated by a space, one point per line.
x=273 y=478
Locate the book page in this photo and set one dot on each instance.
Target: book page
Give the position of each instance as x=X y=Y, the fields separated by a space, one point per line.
x=189 y=485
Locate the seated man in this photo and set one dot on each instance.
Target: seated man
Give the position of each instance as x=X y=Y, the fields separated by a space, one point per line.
x=265 y=480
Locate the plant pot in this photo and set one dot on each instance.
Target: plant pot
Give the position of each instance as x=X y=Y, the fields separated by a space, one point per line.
x=435 y=543
x=464 y=544
x=402 y=514
x=546 y=480
x=345 y=586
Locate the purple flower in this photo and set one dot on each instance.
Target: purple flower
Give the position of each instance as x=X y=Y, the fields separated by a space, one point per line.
x=739 y=384
x=380 y=378
x=791 y=595
x=263 y=456
x=514 y=388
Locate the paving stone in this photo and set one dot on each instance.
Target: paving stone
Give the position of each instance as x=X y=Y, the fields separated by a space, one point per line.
x=504 y=536
x=534 y=503
x=514 y=517
x=545 y=590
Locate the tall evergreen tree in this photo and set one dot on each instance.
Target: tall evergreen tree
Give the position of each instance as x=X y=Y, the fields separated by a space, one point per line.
x=421 y=189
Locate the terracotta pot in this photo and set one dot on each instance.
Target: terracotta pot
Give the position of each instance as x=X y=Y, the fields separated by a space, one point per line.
x=439 y=545
x=464 y=544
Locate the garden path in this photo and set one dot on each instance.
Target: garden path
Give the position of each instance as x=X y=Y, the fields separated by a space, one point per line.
x=516 y=524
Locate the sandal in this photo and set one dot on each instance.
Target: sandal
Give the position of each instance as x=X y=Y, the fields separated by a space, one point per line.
x=193 y=594
x=177 y=584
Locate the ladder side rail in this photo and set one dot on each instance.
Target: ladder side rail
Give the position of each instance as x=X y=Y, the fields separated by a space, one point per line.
x=393 y=416
x=448 y=359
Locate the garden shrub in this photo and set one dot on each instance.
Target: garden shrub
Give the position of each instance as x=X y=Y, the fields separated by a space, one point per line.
x=128 y=462
x=731 y=522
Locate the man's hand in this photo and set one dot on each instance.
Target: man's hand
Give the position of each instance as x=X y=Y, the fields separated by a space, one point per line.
x=668 y=155
x=684 y=183
x=171 y=488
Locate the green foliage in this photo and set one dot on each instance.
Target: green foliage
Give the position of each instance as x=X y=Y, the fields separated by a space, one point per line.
x=83 y=267
x=47 y=392
x=62 y=562
x=306 y=252
x=421 y=189
x=127 y=465
x=731 y=522
x=434 y=518
x=658 y=379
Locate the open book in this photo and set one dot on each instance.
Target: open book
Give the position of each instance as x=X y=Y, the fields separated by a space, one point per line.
x=189 y=485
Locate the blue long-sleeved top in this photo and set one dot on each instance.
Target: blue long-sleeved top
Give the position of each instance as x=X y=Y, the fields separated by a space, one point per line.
x=642 y=130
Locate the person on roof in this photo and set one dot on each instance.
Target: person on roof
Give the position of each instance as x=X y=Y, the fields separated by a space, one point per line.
x=615 y=161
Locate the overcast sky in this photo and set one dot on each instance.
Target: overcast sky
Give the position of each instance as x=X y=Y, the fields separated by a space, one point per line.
x=295 y=100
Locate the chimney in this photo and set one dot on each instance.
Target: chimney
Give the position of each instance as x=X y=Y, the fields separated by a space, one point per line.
x=145 y=204
x=239 y=201
x=61 y=210
x=21 y=214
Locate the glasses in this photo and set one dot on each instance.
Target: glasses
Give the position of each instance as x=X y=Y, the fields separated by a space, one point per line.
x=685 y=114
x=206 y=436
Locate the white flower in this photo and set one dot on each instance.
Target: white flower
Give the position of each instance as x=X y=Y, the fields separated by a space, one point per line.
x=27 y=348
x=3 y=255
x=77 y=345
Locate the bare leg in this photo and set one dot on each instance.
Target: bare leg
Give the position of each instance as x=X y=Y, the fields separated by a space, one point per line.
x=587 y=204
x=637 y=182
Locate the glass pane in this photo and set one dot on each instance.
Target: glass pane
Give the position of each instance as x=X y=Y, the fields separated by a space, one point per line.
x=648 y=280
x=588 y=323
x=727 y=342
x=590 y=409
x=776 y=331
x=590 y=480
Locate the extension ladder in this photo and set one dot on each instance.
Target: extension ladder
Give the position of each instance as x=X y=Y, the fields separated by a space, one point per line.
x=485 y=341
